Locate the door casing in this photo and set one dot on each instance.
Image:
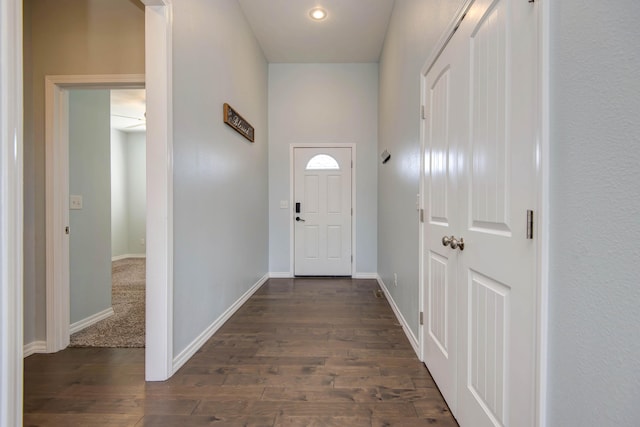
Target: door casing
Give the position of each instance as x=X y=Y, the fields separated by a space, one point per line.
x=352 y=146
x=11 y=214
x=57 y=193
x=57 y=218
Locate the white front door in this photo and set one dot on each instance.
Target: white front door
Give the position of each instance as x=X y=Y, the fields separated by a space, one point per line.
x=322 y=211
x=493 y=185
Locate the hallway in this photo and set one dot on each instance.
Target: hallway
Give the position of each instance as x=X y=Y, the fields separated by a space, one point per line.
x=300 y=352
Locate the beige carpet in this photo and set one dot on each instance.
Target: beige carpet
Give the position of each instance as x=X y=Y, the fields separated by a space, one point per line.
x=126 y=327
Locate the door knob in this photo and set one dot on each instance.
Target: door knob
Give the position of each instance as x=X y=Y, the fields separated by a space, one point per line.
x=453 y=242
x=299 y=219
x=457 y=244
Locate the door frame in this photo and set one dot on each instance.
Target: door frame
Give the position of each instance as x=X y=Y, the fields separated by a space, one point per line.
x=11 y=214
x=541 y=226
x=159 y=362
x=57 y=194
x=292 y=146
x=57 y=213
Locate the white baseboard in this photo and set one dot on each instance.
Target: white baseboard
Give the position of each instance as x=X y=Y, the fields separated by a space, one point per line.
x=34 y=347
x=281 y=275
x=125 y=256
x=405 y=326
x=195 y=345
x=365 y=276
x=289 y=275
x=94 y=318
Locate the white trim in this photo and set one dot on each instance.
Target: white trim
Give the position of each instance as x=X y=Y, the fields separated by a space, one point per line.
x=201 y=339
x=421 y=246
x=353 y=196
x=403 y=322
x=56 y=217
x=33 y=348
x=91 y=320
x=446 y=36
x=354 y=214
x=11 y=214
x=97 y=81
x=542 y=232
x=125 y=256
x=281 y=275
x=289 y=275
x=159 y=314
x=366 y=276
x=57 y=193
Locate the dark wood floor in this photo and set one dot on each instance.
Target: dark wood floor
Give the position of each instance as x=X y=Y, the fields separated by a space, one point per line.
x=303 y=352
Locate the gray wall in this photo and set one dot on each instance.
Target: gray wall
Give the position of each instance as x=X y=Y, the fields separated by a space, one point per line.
x=128 y=193
x=119 y=205
x=415 y=27
x=322 y=103
x=89 y=177
x=137 y=191
x=64 y=37
x=594 y=318
x=220 y=178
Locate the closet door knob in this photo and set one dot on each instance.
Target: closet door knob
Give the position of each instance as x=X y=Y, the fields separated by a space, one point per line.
x=457 y=244
x=453 y=242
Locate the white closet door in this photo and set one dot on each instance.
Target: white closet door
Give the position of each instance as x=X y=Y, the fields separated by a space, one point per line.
x=480 y=181
x=445 y=99
x=497 y=321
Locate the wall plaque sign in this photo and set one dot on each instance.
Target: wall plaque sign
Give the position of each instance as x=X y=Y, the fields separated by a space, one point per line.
x=238 y=123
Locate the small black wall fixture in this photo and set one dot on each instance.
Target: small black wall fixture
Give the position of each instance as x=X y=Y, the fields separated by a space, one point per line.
x=385 y=156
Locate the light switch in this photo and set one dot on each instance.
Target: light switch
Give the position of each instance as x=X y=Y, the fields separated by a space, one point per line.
x=284 y=204
x=75 y=202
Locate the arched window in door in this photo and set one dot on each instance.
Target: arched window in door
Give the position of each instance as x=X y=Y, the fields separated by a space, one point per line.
x=322 y=162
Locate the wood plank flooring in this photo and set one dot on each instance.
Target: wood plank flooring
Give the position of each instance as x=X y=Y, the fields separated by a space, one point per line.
x=300 y=352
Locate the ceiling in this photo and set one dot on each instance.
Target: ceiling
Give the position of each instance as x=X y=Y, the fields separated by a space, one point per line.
x=128 y=108
x=353 y=31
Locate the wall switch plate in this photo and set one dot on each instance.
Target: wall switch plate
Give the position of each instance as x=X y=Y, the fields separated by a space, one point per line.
x=284 y=204
x=75 y=202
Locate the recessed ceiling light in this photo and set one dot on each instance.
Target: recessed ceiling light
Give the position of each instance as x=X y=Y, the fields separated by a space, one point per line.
x=318 y=14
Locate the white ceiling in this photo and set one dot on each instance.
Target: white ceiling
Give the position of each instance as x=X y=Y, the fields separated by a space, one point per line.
x=128 y=108
x=353 y=31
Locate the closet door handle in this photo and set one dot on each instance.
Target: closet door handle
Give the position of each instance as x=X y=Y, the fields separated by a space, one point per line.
x=453 y=242
x=457 y=244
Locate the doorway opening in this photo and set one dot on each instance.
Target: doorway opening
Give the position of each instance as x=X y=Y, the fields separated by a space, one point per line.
x=107 y=186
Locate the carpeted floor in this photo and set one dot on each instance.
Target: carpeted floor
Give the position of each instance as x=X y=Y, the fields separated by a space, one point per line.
x=126 y=327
